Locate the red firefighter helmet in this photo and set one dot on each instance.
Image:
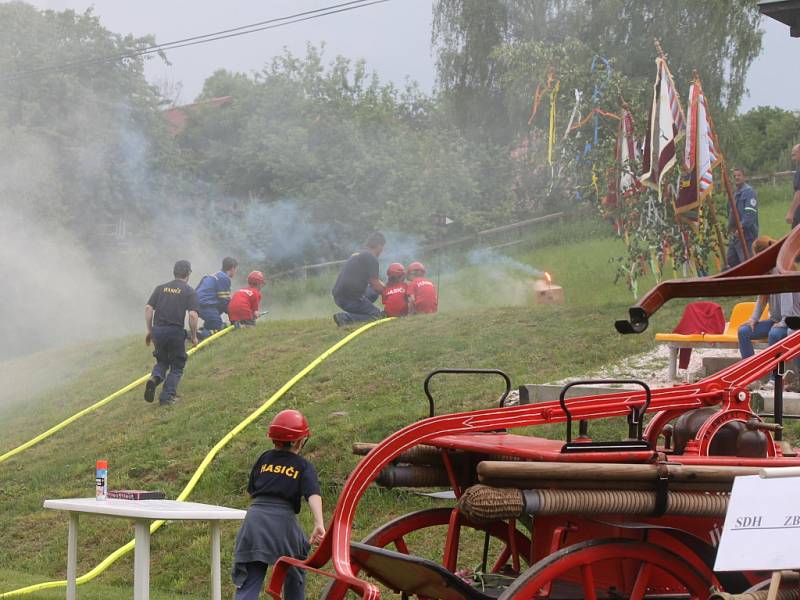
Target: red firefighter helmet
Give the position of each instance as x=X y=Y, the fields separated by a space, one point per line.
x=288 y=426
x=255 y=278
x=416 y=266
x=395 y=270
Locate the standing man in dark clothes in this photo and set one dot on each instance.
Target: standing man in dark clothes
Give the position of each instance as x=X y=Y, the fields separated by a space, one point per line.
x=747 y=206
x=358 y=285
x=164 y=315
x=793 y=216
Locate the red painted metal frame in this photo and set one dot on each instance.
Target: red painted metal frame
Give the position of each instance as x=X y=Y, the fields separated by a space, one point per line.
x=770 y=271
x=728 y=388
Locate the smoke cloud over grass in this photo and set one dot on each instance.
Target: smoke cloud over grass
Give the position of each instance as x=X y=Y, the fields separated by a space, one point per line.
x=493 y=260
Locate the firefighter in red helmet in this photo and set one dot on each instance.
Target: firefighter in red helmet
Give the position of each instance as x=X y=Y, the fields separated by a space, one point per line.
x=422 y=295
x=395 y=301
x=243 y=307
x=279 y=479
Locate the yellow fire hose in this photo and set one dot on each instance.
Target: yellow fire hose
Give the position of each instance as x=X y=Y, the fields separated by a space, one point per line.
x=123 y=550
x=103 y=402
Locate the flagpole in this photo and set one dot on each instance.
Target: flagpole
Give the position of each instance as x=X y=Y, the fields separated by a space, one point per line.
x=726 y=180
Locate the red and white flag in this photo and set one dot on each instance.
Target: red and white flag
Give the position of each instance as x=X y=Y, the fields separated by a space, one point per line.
x=622 y=180
x=665 y=127
x=700 y=153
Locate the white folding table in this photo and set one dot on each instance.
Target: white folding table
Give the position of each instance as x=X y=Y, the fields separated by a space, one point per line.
x=143 y=512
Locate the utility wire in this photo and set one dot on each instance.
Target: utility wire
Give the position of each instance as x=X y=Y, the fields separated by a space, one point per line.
x=205 y=38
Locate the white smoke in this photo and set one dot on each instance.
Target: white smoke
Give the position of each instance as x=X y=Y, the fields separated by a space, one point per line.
x=490 y=258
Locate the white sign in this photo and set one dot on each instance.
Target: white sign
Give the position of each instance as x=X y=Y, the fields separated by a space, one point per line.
x=762 y=526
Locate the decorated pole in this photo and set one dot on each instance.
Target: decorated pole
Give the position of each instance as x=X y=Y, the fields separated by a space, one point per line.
x=726 y=180
x=701 y=156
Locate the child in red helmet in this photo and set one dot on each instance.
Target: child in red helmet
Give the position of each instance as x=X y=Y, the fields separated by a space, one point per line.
x=395 y=302
x=422 y=296
x=278 y=481
x=243 y=307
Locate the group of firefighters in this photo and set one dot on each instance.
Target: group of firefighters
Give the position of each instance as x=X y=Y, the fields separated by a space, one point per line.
x=166 y=311
x=280 y=478
x=358 y=286
x=356 y=290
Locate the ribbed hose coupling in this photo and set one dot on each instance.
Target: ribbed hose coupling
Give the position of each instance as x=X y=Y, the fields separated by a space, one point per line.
x=483 y=503
x=626 y=502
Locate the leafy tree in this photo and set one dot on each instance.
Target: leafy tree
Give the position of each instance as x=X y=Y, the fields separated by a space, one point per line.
x=762 y=138
x=93 y=130
x=718 y=38
x=351 y=152
x=83 y=148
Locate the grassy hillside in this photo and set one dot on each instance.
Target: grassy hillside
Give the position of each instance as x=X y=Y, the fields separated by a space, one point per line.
x=363 y=393
x=366 y=391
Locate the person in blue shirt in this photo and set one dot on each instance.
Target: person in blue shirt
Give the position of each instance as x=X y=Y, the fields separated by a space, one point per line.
x=213 y=295
x=358 y=285
x=747 y=206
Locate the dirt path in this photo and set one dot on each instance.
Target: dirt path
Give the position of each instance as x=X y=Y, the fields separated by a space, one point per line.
x=653 y=367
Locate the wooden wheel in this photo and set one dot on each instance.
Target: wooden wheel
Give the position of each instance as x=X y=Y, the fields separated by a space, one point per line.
x=446 y=536
x=609 y=568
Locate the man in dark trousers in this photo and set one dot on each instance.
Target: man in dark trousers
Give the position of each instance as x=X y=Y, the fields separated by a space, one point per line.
x=358 y=285
x=747 y=206
x=793 y=216
x=164 y=315
x=213 y=295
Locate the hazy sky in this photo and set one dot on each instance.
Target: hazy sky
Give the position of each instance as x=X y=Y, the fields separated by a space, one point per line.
x=393 y=37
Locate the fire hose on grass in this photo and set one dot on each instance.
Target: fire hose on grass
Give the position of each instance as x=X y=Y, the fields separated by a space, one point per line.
x=123 y=550
x=89 y=409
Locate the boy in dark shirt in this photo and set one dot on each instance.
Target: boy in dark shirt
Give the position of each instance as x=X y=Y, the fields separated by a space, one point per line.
x=395 y=302
x=164 y=315
x=278 y=480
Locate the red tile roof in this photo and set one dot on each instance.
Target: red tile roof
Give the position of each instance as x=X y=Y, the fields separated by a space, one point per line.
x=179 y=115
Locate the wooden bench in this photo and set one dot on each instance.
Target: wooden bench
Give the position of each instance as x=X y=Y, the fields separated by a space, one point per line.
x=728 y=339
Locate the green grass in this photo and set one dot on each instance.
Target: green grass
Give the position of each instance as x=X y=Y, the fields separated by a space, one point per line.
x=363 y=393
x=375 y=382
